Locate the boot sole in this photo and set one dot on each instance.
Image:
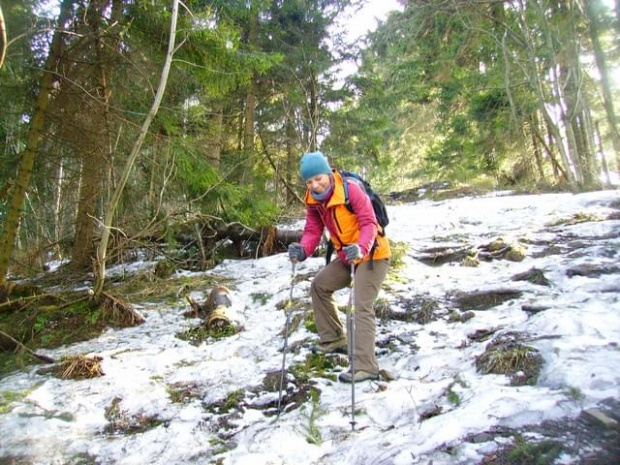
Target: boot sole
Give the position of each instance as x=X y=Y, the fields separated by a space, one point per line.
x=337 y=350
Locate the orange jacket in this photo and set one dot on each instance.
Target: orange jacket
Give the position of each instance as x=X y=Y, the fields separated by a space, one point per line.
x=344 y=227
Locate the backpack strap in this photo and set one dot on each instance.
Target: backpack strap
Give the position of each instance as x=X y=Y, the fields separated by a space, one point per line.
x=345 y=183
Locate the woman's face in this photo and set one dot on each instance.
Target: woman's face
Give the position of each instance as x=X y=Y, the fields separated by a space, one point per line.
x=319 y=183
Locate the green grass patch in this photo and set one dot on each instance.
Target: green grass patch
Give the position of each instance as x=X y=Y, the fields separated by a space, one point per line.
x=233 y=399
x=8 y=399
x=199 y=334
x=534 y=453
x=48 y=326
x=311 y=413
x=453 y=397
x=399 y=252
x=310 y=324
x=318 y=365
x=575 y=394
x=261 y=297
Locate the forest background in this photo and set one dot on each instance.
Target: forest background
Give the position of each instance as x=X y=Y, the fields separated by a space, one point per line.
x=173 y=126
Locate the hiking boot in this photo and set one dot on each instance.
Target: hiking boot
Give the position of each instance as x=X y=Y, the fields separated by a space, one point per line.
x=338 y=346
x=347 y=377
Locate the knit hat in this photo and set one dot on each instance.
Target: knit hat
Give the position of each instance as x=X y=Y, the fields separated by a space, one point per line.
x=313 y=164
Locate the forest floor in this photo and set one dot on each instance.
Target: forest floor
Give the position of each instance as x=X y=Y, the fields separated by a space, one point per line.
x=535 y=276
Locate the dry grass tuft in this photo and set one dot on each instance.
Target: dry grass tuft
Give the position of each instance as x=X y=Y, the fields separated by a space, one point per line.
x=507 y=355
x=79 y=367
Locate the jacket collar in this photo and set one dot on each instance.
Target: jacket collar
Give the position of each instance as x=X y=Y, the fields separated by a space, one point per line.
x=337 y=197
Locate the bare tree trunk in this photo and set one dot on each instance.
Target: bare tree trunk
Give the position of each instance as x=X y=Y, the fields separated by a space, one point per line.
x=536 y=148
x=215 y=141
x=153 y=178
x=617 y=19
x=3 y=40
x=249 y=132
x=57 y=208
x=591 y=8
x=314 y=112
x=591 y=167
x=601 y=153
x=99 y=267
x=91 y=190
x=250 y=112
x=291 y=159
x=33 y=142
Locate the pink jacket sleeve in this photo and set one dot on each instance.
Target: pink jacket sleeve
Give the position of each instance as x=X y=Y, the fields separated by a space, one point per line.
x=313 y=230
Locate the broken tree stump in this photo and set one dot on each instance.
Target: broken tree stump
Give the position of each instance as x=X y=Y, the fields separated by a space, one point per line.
x=218 y=303
x=215 y=311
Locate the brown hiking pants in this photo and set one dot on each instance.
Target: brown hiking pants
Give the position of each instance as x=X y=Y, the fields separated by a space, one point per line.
x=336 y=275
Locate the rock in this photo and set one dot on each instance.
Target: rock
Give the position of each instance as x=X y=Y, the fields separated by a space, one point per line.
x=597 y=416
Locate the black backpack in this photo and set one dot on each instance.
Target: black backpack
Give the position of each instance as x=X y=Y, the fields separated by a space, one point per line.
x=377 y=205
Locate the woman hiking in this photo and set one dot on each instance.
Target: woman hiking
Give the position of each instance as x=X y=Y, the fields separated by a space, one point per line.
x=340 y=204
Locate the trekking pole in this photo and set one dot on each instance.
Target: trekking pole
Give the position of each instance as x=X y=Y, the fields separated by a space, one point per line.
x=351 y=329
x=286 y=328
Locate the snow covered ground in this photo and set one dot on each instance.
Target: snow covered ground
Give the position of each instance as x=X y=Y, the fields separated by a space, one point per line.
x=576 y=330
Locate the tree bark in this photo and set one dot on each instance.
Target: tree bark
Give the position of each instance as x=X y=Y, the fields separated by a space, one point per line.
x=290 y=163
x=617 y=19
x=3 y=40
x=94 y=166
x=601 y=153
x=250 y=98
x=536 y=148
x=100 y=263
x=314 y=111
x=216 y=128
x=33 y=142
x=601 y=63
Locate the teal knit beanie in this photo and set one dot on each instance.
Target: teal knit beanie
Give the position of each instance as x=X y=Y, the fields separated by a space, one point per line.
x=313 y=164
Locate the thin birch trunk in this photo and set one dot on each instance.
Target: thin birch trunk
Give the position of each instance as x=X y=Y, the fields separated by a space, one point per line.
x=100 y=263
x=537 y=86
x=57 y=208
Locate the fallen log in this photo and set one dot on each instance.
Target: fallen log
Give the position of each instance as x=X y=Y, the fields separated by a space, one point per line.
x=8 y=343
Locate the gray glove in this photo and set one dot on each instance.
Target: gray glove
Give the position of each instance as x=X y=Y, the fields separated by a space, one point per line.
x=296 y=252
x=352 y=252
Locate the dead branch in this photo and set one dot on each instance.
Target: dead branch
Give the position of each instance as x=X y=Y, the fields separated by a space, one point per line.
x=119 y=313
x=8 y=343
